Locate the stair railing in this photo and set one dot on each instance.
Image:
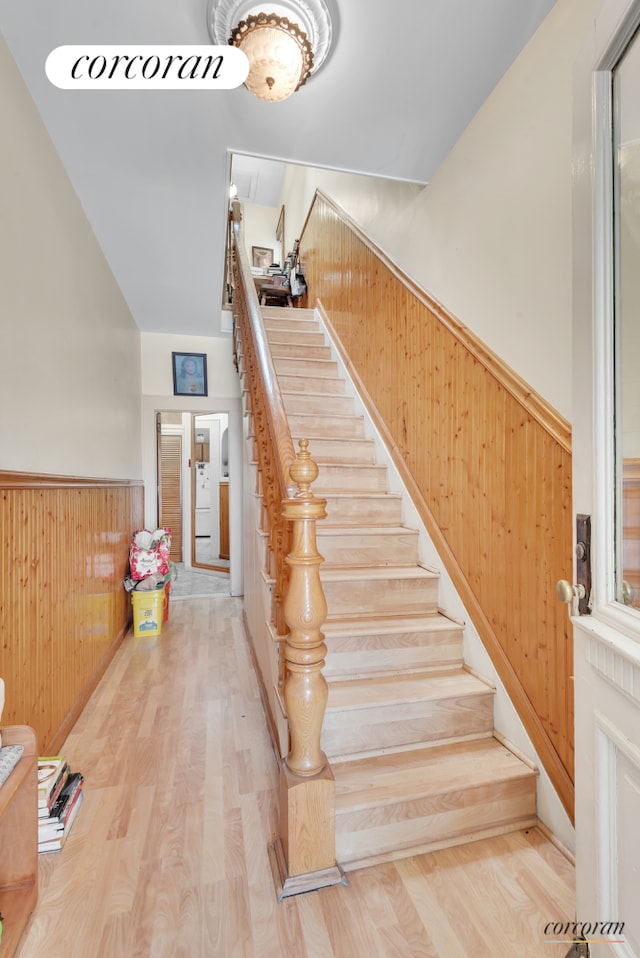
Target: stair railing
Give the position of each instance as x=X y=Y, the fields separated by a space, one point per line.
x=303 y=856
x=273 y=445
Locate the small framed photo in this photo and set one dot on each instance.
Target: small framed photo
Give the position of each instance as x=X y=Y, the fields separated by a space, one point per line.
x=261 y=256
x=189 y=374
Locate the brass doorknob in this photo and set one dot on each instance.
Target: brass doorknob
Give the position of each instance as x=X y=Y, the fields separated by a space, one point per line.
x=567 y=592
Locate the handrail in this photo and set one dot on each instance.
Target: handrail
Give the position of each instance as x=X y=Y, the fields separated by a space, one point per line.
x=280 y=432
x=290 y=511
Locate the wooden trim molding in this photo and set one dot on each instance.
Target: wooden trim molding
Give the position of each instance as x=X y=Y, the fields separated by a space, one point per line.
x=33 y=480
x=486 y=461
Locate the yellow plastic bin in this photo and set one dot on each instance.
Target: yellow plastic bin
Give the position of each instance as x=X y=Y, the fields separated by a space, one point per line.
x=147 y=612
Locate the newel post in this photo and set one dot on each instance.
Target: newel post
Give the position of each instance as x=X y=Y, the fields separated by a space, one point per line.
x=304 y=858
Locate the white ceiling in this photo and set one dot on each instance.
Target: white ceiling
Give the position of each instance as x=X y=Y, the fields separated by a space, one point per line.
x=257 y=180
x=151 y=169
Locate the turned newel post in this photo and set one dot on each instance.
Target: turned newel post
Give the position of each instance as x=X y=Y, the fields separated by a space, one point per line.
x=305 y=609
x=303 y=858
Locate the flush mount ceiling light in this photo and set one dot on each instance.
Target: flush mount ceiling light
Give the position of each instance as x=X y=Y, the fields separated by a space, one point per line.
x=284 y=46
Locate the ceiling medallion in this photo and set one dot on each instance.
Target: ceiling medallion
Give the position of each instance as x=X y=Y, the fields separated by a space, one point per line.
x=284 y=47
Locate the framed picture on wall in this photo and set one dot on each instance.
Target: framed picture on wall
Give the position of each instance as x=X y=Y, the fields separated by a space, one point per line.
x=261 y=256
x=189 y=374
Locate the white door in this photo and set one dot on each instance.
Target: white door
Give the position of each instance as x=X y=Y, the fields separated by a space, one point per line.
x=606 y=461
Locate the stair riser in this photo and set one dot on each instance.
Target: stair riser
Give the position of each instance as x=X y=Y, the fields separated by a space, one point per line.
x=311 y=384
x=355 y=510
x=361 y=654
x=285 y=352
x=295 y=325
x=303 y=366
x=502 y=807
x=373 y=597
x=334 y=450
x=299 y=338
x=347 y=427
x=357 y=478
x=294 y=333
x=358 y=549
x=376 y=727
x=318 y=405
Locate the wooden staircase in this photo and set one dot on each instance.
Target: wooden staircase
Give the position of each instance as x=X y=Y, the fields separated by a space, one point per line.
x=408 y=729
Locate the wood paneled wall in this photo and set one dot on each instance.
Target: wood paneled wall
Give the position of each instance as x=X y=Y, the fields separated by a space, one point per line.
x=63 y=607
x=487 y=462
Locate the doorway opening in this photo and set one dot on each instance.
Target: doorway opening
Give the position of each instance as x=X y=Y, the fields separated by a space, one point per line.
x=210 y=491
x=193 y=489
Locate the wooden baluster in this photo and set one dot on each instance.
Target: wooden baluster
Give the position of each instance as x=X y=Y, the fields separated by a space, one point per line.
x=303 y=857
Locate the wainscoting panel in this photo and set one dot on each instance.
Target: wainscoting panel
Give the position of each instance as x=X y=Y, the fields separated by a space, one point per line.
x=487 y=460
x=65 y=547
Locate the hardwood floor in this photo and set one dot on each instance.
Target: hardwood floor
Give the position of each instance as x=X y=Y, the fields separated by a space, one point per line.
x=168 y=855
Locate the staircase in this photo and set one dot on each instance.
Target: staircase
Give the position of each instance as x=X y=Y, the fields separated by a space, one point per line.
x=408 y=729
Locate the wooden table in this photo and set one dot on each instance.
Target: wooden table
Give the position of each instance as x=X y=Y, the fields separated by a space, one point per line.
x=267 y=290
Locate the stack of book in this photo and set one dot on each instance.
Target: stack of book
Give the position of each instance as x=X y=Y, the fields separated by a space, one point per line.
x=59 y=798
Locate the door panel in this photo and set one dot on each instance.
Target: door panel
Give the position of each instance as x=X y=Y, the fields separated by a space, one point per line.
x=606 y=444
x=170 y=490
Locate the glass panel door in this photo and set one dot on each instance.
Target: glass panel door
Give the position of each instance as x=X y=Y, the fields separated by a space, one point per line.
x=626 y=170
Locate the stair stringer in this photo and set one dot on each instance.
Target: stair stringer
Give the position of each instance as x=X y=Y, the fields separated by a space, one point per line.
x=507 y=724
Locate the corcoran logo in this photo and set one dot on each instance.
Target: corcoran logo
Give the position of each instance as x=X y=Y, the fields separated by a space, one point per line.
x=584 y=933
x=146 y=67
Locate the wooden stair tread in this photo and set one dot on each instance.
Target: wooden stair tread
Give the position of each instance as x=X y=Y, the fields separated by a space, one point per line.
x=407 y=774
x=338 y=464
x=291 y=382
x=302 y=414
x=301 y=336
x=346 y=494
x=422 y=622
x=403 y=688
x=311 y=370
x=279 y=324
x=348 y=466
x=371 y=530
x=309 y=394
x=293 y=351
x=316 y=362
x=339 y=440
x=281 y=332
x=346 y=572
x=303 y=311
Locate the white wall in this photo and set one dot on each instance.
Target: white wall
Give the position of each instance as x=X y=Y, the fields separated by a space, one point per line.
x=496 y=218
x=157 y=374
x=490 y=236
x=259 y=224
x=223 y=396
x=379 y=206
x=70 y=356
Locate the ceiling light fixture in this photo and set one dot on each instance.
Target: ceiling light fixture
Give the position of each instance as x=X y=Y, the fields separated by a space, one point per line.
x=284 y=46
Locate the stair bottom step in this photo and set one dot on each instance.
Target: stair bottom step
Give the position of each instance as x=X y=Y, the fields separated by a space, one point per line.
x=397 y=803
x=369 y=858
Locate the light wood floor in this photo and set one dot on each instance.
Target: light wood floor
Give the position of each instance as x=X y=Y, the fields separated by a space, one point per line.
x=168 y=856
